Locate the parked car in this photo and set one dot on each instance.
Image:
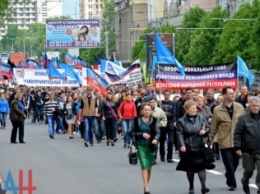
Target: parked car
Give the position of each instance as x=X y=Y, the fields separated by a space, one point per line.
x=4 y=57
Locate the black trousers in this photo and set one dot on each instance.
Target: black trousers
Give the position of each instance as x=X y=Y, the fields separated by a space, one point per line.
x=110 y=128
x=16 y=125
x=166 y=132
x=231 y=161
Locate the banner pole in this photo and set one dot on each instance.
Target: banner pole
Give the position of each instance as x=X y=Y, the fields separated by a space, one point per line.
x=160 y=91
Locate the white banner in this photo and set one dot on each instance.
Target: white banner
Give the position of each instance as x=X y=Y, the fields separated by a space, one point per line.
x=53 y=55
x=39 y=77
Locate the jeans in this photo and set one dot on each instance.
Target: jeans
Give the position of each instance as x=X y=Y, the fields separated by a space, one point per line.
x=99 y=128
x=127 y=124
x=231 y=161
x=3 y=119
x=249 y=162
x=59 y=124
x=39 y=111
x=51 y=124
x=166 y=131
x=16 y=125
x=89 y=123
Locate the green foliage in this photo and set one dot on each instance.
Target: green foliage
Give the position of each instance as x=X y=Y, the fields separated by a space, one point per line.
x=235 y=39
x=139 y=48
x=255 y=40
x=183 y=37
x=204 y=41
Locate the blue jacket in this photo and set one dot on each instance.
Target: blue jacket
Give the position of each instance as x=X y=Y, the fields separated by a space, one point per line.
x=4 y=106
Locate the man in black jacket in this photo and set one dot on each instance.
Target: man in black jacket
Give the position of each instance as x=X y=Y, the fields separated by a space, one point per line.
x=169 y=108
x=246 y=141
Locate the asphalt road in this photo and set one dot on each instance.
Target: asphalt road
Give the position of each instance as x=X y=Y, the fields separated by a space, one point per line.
x=64 y=166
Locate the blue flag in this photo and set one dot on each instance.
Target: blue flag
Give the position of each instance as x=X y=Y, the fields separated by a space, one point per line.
x=70 y=72
x=164 y=56
x=53 y=73
x=243 y=71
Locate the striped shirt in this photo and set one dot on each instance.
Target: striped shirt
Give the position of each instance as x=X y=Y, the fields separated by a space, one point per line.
x=49 y=106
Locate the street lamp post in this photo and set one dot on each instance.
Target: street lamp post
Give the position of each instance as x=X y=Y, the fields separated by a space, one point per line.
x=12 y=39
x=23 y=43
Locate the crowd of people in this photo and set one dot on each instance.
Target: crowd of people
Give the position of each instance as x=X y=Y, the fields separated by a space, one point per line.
x=179 y=120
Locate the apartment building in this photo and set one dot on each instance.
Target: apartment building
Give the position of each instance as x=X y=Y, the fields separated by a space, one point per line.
x=90 y=9
x=28 y=12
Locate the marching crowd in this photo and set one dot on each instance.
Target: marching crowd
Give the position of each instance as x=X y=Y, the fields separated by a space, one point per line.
x=230 y=121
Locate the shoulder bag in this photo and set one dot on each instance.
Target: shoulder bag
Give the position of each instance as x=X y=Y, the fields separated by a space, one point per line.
x=112 y=110
x=132 y=155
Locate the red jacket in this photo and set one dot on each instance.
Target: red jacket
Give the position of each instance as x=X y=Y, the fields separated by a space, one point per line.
x=127 y=110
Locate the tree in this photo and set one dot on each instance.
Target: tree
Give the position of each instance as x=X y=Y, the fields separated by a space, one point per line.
x=184 y=36
x=9 y=39
x=255 y=40
x=235 y=39
x=6 y=11
x=203 y=44
x=138 y=50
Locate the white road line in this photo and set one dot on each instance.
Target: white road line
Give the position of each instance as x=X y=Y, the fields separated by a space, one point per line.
x=253 y=186
x=215 y=172
x=210 y=171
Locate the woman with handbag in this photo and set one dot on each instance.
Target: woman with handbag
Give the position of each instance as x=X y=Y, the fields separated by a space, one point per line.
x=70 y=112
x=108 y=112
x=191 y=130
x=146 y=133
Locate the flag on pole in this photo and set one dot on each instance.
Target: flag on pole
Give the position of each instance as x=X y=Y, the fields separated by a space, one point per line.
x=70 y=72
x=243 y=71
x=164 y=56
x=96 y=81
x=53 y=73
x=69 y=59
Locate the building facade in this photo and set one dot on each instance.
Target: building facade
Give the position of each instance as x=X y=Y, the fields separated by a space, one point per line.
x=28 y=12
x=90 y=9
x=132 y=17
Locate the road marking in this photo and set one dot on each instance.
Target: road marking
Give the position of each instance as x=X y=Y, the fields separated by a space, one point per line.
x=253 y=186
x=215 y=172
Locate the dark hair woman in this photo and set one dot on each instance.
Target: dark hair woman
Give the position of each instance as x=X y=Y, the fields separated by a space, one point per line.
x=108 y=112
x=146 y=132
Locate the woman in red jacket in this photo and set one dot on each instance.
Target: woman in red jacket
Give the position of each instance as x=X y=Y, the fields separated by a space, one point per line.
x=127 y=112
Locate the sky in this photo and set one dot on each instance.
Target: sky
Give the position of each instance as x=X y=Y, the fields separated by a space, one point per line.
x=68 y=8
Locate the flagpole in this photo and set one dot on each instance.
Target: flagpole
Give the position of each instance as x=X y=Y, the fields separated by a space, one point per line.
x=160 y=91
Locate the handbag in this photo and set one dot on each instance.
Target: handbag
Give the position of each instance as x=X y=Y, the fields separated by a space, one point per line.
x=132 y=155
x=69 y=116
x=208 y=151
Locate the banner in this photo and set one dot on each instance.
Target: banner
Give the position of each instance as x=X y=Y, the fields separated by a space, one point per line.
x=53 y=55
x=201 y=77
x=111 y=68
x=39 y=77
x=72 y=33
x=130 y=75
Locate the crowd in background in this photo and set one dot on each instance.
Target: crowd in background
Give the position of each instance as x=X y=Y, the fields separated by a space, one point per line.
x=95 y=117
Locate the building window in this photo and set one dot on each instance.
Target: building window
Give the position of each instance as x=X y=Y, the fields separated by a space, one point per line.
x=96 y=6
x=101 y=6
x=96 y=0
